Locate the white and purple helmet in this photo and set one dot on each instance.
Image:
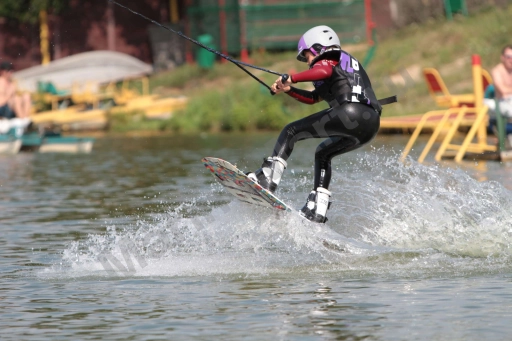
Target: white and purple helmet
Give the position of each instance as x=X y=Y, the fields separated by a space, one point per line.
x=317 y=40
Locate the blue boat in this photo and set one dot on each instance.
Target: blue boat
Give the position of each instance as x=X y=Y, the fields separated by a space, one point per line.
x=56 y=143
x=9 y=144
x=11 y=132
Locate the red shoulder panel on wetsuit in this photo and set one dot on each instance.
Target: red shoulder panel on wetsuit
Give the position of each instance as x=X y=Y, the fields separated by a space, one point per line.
x=320 y=70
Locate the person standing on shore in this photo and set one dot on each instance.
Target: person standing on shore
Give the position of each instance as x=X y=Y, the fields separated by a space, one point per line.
x=11 y=104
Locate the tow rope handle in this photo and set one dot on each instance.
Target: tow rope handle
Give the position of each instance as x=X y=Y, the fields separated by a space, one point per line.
x=284 y=78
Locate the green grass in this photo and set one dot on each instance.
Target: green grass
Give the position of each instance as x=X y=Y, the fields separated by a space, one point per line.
x=192 y=75
x=224 y=98
x=135 y=121
x=240 y=107
x=439 y=43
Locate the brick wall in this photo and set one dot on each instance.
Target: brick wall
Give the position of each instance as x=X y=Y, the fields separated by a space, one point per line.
x=83 y=28
x=19 y=44
x=381 y=14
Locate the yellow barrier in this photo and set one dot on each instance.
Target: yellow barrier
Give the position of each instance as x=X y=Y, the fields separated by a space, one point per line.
x=475 y=118
x=480 y=147
x=419 y=128
x=421 y=125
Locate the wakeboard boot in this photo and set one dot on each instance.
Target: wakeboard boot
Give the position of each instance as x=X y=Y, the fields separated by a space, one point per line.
x=270 y=173
x=316 y=206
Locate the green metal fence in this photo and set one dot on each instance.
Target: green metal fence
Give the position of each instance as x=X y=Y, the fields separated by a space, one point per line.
x=282 y=25
x=275 y=26
x=204 y=18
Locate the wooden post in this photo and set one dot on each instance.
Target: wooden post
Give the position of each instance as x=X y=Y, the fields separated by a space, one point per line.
x=222 y=28
x=189 y=57
x=244 y=54
x=57 y=46
x=111 y=27
x=44 y=38
x=173 y=8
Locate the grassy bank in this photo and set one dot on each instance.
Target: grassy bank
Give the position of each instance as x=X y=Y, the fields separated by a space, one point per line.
x=226 y=99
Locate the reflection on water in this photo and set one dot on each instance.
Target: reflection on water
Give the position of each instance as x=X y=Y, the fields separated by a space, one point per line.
x=137 y=240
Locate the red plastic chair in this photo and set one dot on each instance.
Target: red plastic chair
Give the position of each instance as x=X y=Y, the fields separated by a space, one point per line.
x=440 y=93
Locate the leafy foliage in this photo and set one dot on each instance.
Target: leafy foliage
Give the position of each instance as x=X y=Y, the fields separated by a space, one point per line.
x=28 y=10
x=241 y=106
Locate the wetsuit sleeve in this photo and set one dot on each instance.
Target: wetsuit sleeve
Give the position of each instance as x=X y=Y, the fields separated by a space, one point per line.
x=316 y=73
x=304 y=96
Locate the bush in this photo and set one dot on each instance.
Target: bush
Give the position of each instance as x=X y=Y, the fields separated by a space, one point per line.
x=240 y=107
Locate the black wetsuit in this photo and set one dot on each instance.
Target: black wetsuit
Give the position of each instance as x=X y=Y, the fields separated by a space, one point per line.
x=352 y=120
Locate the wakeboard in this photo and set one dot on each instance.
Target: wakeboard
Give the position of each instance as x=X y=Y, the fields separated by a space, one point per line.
x=244 y=189
x=241 y=186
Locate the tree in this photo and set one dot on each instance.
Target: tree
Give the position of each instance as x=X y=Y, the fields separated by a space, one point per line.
x=28 y=10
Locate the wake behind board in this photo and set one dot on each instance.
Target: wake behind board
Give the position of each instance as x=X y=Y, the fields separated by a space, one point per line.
x=241 y=186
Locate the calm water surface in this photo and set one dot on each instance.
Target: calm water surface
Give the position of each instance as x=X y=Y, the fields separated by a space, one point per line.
x=136 y=241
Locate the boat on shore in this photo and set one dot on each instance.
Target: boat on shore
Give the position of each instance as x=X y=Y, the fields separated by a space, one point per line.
x=56 y=143
x=20 y=135
x=11 y=131
x=9 y=144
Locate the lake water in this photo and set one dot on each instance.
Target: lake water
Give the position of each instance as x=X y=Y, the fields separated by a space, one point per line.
x=136 y=241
